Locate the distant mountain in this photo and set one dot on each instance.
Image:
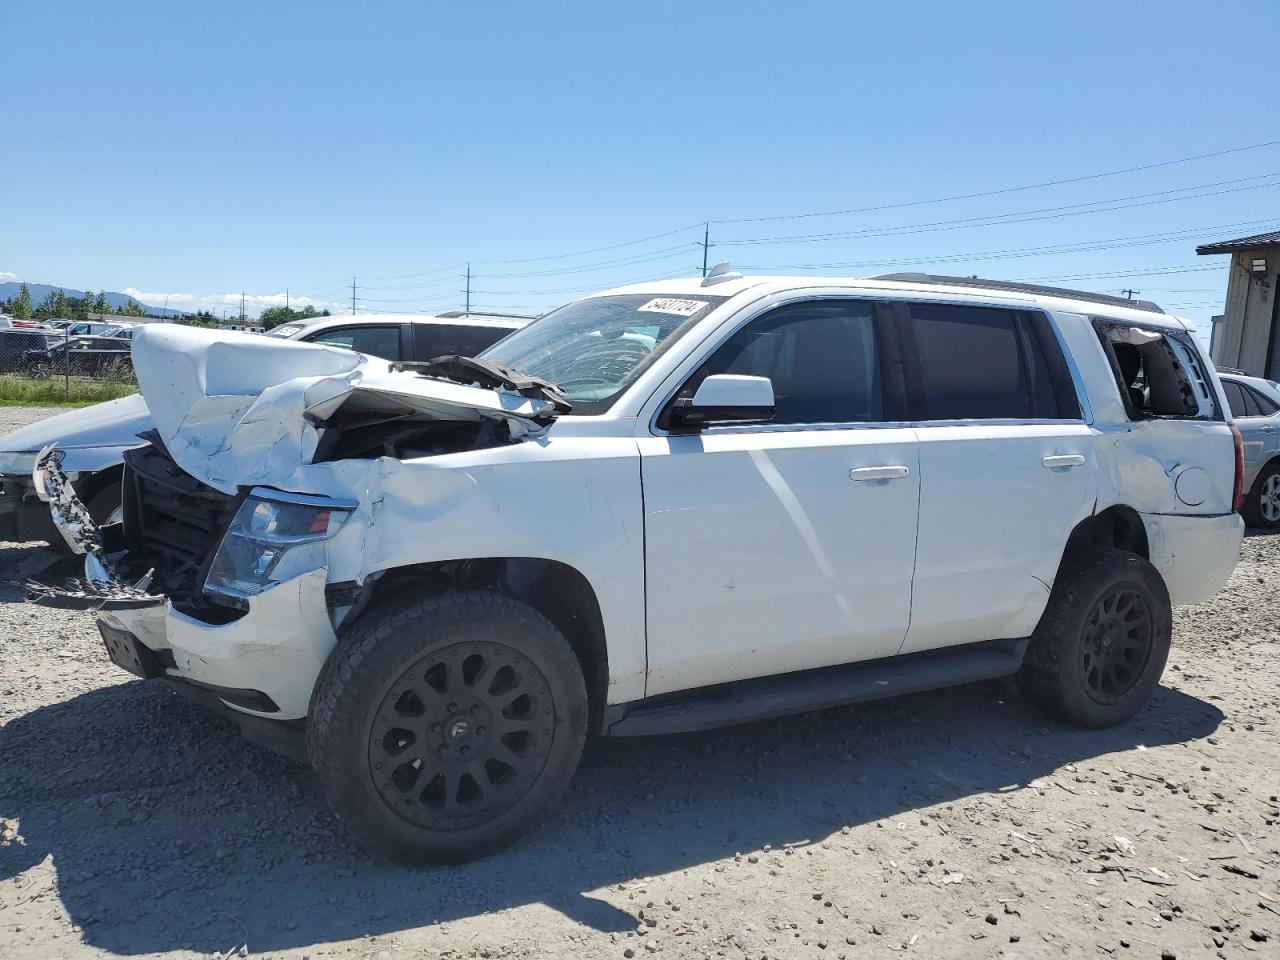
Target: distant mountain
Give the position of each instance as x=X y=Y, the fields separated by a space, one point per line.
x=39 y=291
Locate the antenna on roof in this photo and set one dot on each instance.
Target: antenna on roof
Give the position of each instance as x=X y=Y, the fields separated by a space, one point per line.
x=720 y=273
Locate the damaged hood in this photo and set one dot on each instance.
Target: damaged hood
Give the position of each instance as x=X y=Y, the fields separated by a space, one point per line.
x=234 y=409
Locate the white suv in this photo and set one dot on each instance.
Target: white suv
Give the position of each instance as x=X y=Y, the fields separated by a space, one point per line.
x=666 y=507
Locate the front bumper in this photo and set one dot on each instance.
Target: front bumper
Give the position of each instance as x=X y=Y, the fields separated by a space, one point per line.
x=275 y=650
x=263 y=662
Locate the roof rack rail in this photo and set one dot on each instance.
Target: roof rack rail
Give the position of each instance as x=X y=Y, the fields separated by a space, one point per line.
x=1009 y=285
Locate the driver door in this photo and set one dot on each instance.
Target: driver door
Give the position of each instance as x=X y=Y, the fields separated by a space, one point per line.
x=786 y=545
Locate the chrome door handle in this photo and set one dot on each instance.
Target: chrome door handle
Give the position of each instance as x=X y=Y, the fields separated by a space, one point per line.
x=1063 y=461
x=879 y=473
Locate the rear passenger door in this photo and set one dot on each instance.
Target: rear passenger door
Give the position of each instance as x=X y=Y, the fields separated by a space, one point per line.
x=1007 y=468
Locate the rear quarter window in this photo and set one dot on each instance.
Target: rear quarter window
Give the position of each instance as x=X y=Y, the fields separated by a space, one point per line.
x=1159 y=373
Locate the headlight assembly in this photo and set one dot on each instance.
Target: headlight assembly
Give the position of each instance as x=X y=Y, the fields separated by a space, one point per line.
x=274 y=537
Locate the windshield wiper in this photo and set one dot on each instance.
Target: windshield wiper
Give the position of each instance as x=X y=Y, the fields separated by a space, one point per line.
x=490 y=374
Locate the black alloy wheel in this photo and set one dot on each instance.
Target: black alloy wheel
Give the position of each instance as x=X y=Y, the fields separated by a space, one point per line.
x=461 y=735
x=1117 y=644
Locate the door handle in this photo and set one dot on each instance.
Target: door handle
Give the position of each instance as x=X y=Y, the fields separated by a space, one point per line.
x=1063 y=461
x=879 y=473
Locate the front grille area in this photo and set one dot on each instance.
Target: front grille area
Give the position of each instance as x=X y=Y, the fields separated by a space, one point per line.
x=173 y=522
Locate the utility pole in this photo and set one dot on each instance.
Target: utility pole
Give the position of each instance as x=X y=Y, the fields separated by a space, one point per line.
x=467 y=311
x=242 y=308
x=706 y=245
x=1129 y=293
x=286 y=303
x=353 y=296
x=166 y=306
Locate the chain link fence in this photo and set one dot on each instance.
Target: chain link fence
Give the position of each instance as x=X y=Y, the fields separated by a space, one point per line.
x=75 y=363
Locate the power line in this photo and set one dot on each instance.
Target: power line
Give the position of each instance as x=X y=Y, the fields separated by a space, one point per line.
x=1083 y=246
x=1025 y=216
x=1124 y=274
x=1005 y=190
x=583 y=253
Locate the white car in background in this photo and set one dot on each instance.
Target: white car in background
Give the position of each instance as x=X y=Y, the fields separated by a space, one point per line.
x=95 y=438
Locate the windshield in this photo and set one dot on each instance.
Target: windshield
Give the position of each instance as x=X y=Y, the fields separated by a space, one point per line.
x=593 y=349
x=286 y=329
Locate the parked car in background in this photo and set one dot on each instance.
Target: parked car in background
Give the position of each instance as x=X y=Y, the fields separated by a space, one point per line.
x=80 y=356
x=1255 y=406
x=96 y=437
x=666 y=507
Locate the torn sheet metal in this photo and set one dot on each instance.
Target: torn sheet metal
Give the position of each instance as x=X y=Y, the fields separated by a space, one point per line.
x=102 y=587
x=236 y=411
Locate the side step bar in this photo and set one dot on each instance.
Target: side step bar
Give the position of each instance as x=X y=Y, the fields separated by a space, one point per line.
x=730 y=703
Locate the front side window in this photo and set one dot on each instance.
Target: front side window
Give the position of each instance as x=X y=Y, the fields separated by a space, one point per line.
x=383 y=342
x=431 y=340
x=821 y=357
x=594 y=349
x=982 y=363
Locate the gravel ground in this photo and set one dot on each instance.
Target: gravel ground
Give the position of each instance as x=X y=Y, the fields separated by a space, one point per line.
x=951 y=824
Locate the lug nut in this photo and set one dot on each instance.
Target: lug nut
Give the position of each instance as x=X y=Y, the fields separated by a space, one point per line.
x=465 y=750
x=475 y=708
x=453 y=707
x=435 y=728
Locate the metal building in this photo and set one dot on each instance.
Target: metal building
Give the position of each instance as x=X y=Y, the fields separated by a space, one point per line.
x=1246 y=337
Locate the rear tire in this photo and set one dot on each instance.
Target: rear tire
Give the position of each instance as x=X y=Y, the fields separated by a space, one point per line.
x=442 y=728
x=1261 y=507
x=1100 y=648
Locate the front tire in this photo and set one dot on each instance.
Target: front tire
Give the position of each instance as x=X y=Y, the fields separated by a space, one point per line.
x=1100 y=648
x=442 y=728
x=1261 y=506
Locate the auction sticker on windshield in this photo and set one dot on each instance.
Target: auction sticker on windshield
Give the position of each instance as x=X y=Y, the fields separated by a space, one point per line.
x=679 y=308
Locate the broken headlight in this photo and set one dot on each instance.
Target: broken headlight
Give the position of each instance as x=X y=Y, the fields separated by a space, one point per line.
x=274 y=537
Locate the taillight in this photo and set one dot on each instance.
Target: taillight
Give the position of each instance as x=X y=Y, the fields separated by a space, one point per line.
x=1237 y=495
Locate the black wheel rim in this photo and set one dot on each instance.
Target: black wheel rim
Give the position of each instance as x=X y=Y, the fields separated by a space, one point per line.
x=461 y=736
x=1118 y=637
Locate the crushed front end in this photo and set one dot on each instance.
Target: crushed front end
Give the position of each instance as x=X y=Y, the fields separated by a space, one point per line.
x=223 y=594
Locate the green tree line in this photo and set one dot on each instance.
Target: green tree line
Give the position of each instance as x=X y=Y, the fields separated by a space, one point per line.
x=58 y=306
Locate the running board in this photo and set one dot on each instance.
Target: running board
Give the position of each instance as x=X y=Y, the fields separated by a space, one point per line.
x=760 y=699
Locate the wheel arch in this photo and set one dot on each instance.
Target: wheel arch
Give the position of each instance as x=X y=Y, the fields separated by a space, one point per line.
x=558 y=591
x=1119 y=525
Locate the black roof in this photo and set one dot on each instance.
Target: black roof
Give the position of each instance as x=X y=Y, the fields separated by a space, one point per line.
x=1259 y=241
x=1013 y=287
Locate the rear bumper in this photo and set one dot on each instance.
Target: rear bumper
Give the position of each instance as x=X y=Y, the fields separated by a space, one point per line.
x=1195 y=555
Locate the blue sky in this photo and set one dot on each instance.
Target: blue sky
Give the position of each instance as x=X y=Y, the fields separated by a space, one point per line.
x=201 y=150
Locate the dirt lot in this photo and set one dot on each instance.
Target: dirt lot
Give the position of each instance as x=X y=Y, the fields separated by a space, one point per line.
x=953 y=824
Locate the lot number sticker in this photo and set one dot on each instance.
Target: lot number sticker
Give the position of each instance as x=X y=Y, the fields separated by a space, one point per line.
x=678 y=308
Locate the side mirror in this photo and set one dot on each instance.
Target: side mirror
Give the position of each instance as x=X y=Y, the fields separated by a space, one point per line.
x=725 y=398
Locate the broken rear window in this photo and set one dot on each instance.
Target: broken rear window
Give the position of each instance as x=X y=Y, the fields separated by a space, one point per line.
x=1159 y=372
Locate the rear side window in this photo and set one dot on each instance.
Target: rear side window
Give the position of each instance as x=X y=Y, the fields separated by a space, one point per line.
x=1159 y=373
x=431 y=340
x=982 y=363
x=1266 y=406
